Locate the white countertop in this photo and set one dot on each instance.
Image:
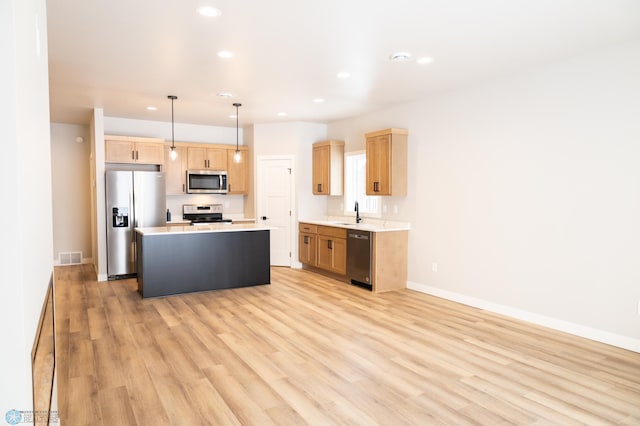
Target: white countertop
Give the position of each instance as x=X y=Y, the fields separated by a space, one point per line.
x=188 y=229
x=367 y=224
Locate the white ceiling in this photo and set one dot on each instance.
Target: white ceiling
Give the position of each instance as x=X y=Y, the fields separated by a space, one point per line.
x=124 y=55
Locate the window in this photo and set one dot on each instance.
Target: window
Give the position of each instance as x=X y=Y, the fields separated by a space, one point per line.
x=355 y=184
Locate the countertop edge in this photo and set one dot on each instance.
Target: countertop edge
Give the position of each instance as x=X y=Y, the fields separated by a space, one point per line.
x=189 y=229
x=358 y=227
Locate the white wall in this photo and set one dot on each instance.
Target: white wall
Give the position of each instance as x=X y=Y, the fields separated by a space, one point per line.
x=71 y=191
x=295 y=139
x=162 y=129
x=525 y=190
x=25 y=170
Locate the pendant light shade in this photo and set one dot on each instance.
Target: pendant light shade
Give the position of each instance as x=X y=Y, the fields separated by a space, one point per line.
x=236 y=156
x=174 y=153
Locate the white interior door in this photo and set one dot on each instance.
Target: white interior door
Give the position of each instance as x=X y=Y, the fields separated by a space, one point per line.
x=275 y=205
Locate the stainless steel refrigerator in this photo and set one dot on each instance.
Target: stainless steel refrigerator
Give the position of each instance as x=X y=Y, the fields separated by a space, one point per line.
x=133 y=199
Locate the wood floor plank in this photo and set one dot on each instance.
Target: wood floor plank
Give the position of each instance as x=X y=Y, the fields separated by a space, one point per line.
x=312 y=350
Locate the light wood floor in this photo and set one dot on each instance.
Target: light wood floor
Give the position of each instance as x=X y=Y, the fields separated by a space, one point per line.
x=311 y=350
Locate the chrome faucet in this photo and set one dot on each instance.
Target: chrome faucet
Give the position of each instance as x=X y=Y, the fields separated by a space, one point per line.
x=358 y=218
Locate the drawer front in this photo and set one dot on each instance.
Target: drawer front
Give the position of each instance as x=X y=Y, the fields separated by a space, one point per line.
x=332 y=231
x=308 y=228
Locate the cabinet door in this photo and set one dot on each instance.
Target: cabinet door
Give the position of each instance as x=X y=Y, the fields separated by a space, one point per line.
x=307 y=245
x=175 y=171
x=339 y=256
x=149 y=153
x=238 y=173
x=379 y=165
x=332 y=254
x=217 y=159
x=321 y=157
x=196 y=158
x=119 y=151
x=324 y=252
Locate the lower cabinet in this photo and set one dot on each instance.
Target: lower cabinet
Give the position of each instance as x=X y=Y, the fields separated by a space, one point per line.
x=332 y=249
x=307 y=248
x=324 y=248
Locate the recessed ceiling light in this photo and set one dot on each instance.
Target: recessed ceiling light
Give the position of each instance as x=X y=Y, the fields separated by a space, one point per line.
x=343 y=75
x=225 y=94
x=282 y=114
x=225 y=54
x=425 y=60
x=400 y=57
x=209 y=11
x=152 y=108
x=318 y=100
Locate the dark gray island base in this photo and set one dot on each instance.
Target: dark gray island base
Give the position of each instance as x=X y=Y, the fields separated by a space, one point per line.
x=184 y=262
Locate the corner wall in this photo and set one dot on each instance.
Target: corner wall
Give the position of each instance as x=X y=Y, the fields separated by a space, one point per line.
x=524 y=190
x=25 y=170
x=71 y=190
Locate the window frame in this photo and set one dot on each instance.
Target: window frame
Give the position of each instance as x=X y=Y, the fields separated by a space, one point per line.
x=351 y=180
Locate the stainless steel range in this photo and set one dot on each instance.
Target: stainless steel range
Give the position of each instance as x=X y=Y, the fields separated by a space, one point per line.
x=203 y=214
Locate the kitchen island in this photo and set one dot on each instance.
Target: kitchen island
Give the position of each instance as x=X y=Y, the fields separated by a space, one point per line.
x=184 y=259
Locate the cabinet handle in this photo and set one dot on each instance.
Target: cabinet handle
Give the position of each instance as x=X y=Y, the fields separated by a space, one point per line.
x=229 y=187
x=133 y=155
x=183 y=187
x=306 y=239
x=136 y=154
x=376 y=186
x=330 y=244
x=319 y=187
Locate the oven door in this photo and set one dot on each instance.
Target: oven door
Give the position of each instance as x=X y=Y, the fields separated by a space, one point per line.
x=206 y=182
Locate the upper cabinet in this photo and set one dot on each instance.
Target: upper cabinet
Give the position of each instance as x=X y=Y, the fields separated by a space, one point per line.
x=175 y=170
x=129 y=149
x=206 y=158
x=387 y=162
x=238 y=173
x=328 y=167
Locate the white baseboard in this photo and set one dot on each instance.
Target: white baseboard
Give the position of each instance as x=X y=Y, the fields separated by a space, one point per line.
x=545 y=321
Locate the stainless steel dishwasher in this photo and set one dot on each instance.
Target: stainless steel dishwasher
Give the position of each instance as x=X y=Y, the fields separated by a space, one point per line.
x=359 y=252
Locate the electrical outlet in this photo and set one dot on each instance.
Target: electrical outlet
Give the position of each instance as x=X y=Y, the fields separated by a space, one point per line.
x=434 y=267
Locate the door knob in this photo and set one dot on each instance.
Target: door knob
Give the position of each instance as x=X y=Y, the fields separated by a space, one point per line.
x=264 y=218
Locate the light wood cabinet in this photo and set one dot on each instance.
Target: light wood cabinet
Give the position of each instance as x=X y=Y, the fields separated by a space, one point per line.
x=389 y=260
x=199 y=158
x=332 y=249
x=324 y=248
x=387 y=162
x=238 y=173
x=129 y=149
x=175 y=171
x=328 y=167
x=307 y=244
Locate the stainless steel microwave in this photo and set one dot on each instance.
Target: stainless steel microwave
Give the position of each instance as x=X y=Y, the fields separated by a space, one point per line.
x=207 y=182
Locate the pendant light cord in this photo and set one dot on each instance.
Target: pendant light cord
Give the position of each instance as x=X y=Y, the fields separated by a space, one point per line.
x=237 y=126
x=173 y=143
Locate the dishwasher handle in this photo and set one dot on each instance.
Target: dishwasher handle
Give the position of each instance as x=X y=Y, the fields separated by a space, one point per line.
x=359 y=236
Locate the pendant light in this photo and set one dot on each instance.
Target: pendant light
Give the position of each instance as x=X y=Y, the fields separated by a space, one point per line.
x=236 y=156
x=174 y=153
